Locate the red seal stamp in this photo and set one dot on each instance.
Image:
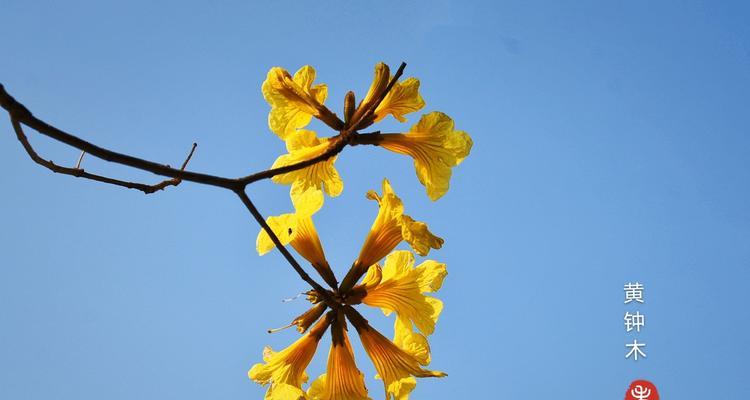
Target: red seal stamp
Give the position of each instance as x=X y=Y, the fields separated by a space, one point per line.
x=642 y=390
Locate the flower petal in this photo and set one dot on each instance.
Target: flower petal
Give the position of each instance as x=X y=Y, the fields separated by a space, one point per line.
x=431 y=275
x=411 y=342
x=418 y=235
x=283 y=226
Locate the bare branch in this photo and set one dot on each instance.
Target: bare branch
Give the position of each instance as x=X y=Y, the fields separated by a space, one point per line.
x=190 y=155
x=81 y=173
x=80 y=159
x=21 y=114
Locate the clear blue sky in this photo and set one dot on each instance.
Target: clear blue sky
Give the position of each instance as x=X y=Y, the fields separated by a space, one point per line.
x=611 y=145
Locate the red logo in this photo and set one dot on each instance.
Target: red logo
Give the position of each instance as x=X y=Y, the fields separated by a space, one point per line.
x=642 y=390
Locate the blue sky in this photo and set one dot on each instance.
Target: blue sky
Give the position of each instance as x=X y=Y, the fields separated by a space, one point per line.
x=611 y=145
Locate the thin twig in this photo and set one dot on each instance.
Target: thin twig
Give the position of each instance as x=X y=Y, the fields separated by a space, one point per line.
x=80 y=159
x=190 y=155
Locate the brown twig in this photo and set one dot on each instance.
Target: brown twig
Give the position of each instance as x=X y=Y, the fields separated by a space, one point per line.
x=80 y=159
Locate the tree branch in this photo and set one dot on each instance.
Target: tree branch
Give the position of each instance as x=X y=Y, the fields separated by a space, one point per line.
x=371 y=138
x=21 y=114
x=81 y=173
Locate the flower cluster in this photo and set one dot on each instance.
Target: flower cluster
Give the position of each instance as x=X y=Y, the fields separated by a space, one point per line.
x=381 y=276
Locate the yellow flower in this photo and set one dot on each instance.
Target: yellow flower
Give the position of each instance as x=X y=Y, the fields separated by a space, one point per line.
x=435 y=146
x=401 y=289
x=342 y=380
x=294 y=101
x=285 y=370
x=299 y=230
x=402 y=99
x=394 y=365
x=302 y=146
x=391 y=226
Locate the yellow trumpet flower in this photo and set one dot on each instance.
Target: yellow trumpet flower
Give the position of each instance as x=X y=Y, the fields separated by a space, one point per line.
x=392 y=226
x=435 y=146
x=285 y=370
